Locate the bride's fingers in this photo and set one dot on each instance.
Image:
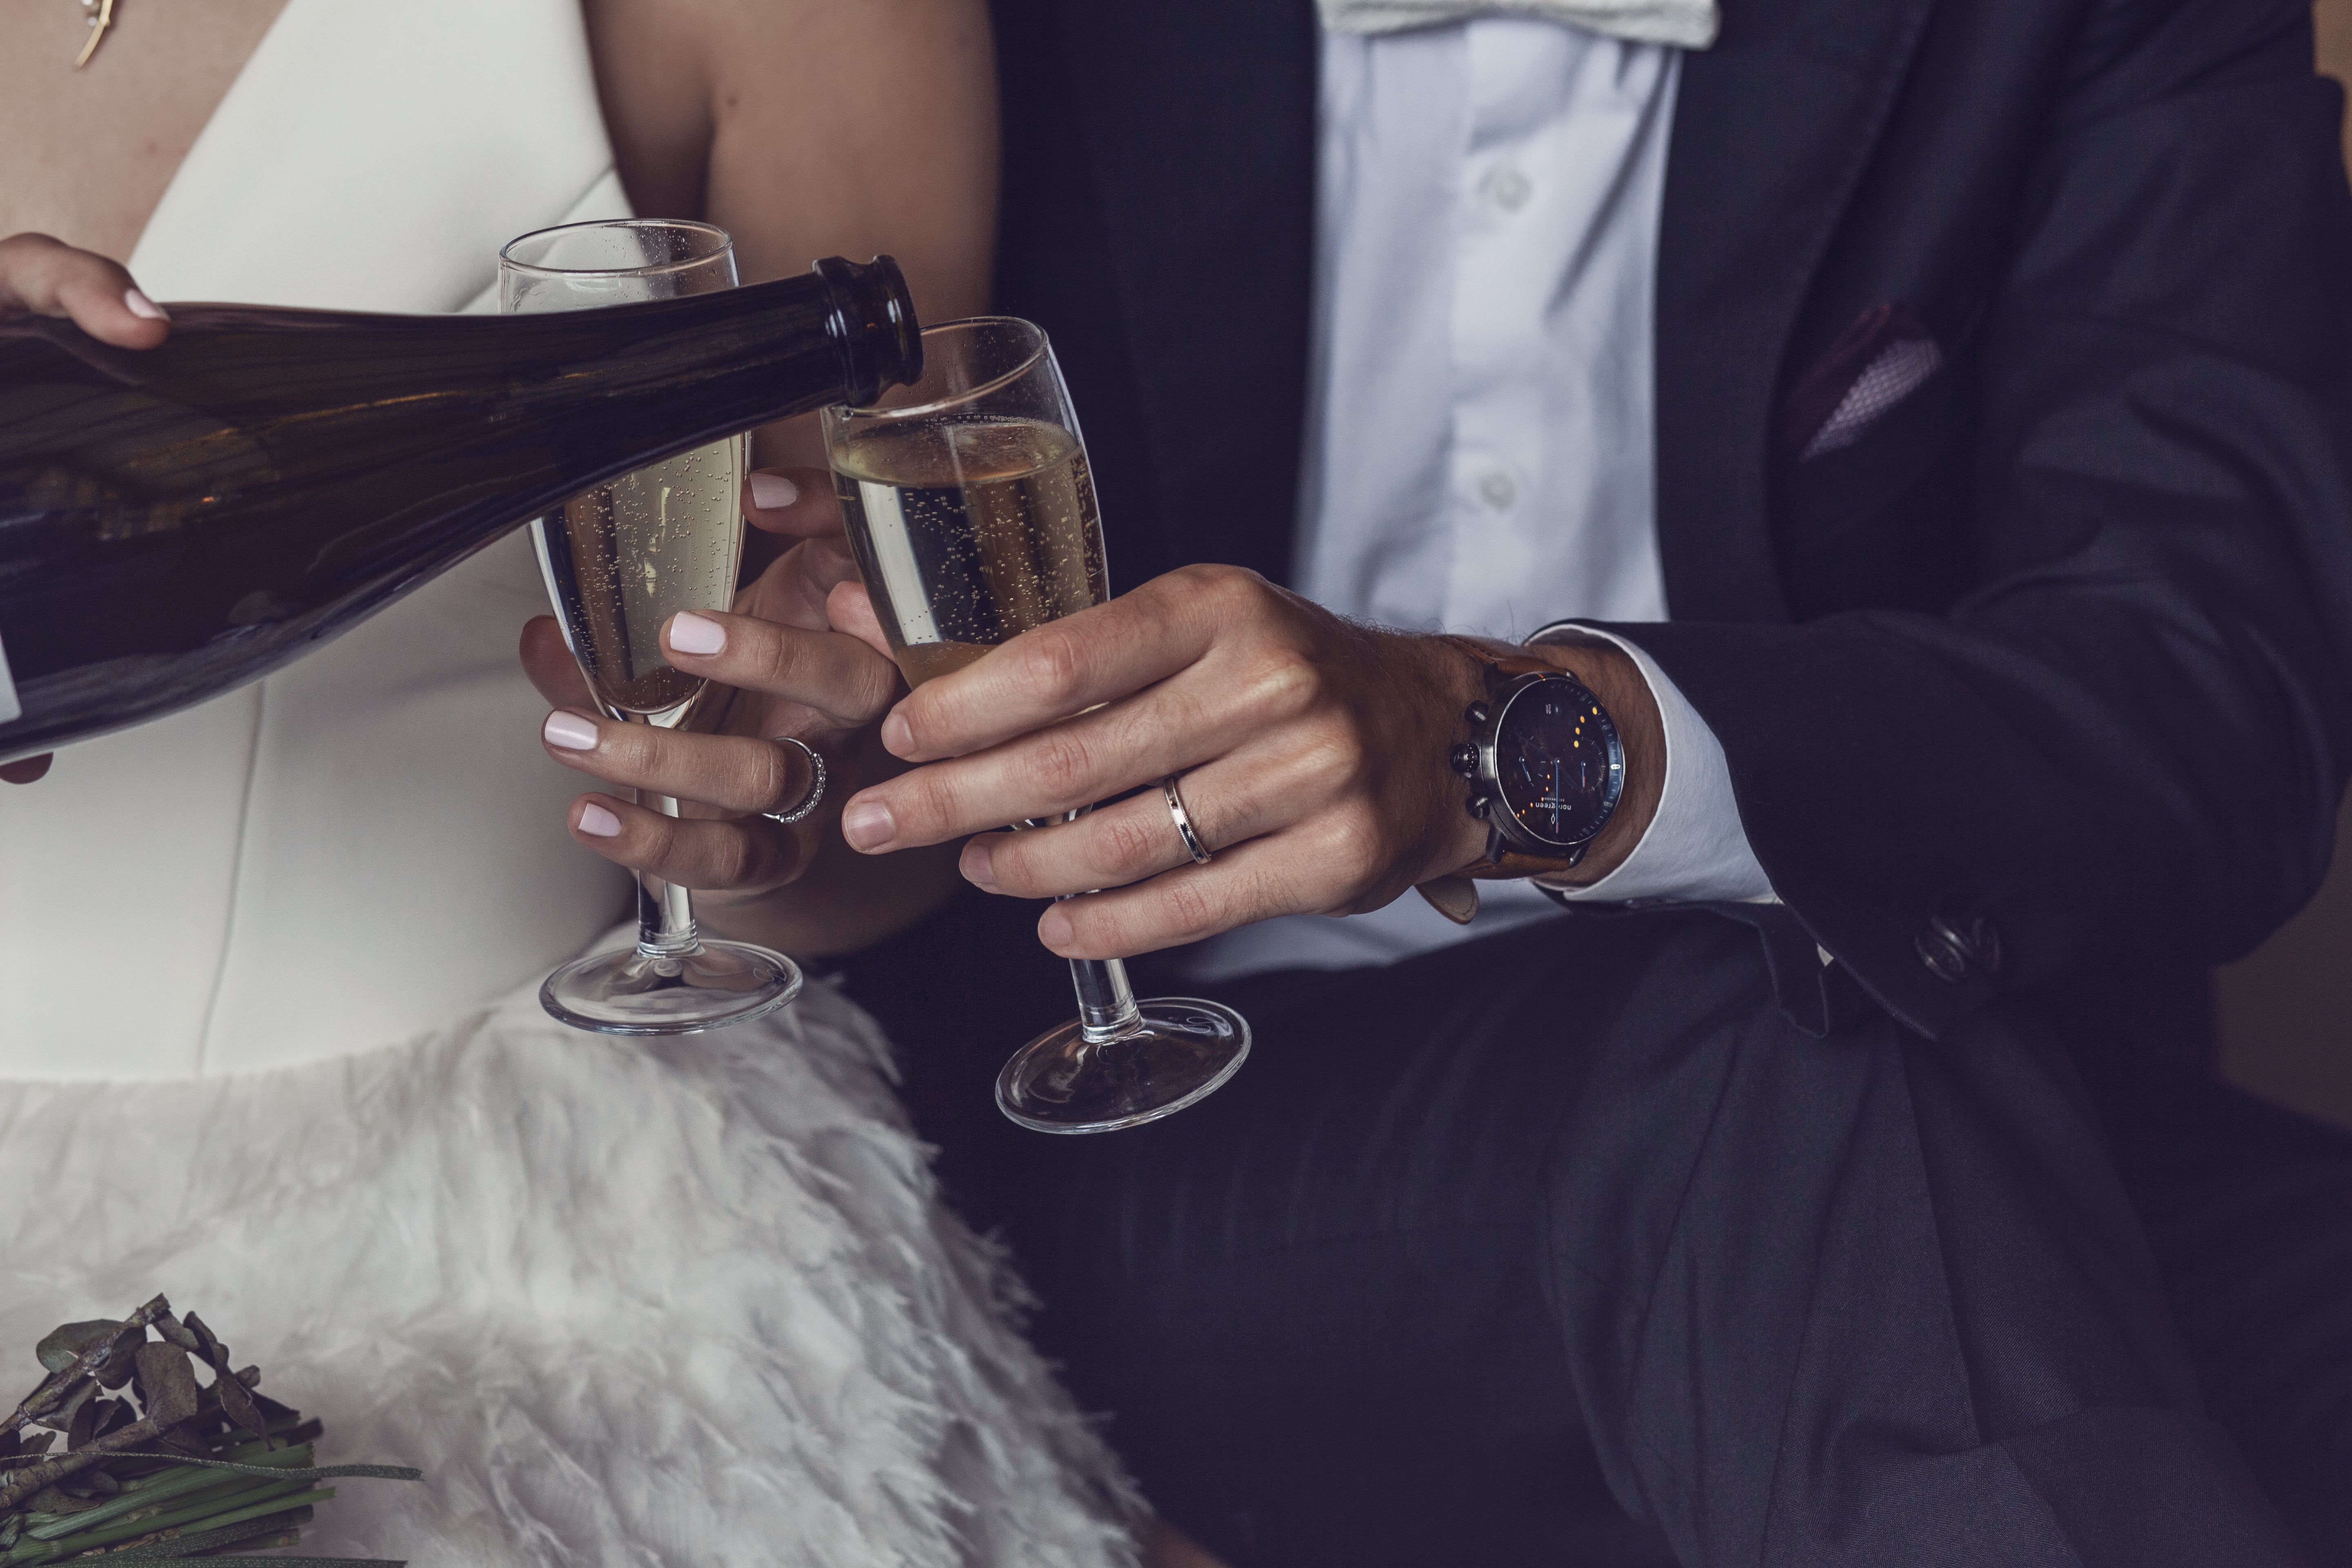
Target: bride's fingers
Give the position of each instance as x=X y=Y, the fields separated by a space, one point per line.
x=26 y=770
x=750 y=855
x=1113 y=846
x=49 y=277
x=836 y=675
x=798 y=501
x=734 y=773
x=550 y=666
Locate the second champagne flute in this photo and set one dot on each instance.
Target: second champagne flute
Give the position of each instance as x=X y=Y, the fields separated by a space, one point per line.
x=620 y=560
x=970 y=510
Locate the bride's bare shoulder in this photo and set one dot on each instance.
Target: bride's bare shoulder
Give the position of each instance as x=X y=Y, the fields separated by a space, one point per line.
x=811 y=127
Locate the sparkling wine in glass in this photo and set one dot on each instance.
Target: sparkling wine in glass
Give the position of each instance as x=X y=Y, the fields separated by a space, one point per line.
x=973 y=518
x=620 y=559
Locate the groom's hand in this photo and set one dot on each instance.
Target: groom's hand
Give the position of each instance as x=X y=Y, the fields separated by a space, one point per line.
x=1312 y=754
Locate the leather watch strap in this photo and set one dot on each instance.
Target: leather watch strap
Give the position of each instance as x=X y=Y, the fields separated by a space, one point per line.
x=1515 y=865
x=1507 y=665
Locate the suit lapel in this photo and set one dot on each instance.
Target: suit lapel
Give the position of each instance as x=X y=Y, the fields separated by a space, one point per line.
x=1198 y=125
x=1774 y=127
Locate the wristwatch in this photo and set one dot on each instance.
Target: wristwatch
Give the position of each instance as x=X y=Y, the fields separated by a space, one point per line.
x=1544 y=763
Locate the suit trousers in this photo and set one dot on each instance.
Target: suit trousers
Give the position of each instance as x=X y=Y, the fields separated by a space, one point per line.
x=1567 y=1246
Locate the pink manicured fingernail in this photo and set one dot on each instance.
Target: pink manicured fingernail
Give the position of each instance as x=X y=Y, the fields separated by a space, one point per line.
x=139 y=305
x=595 y=821
x=975 y=867
x=1054 y=927
x=898 y=736
x=570 y=732
x=866 y=824
x=770 y=491
x=690 y=632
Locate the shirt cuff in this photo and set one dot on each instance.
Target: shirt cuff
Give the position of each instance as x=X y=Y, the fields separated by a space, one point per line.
x=1694 y=849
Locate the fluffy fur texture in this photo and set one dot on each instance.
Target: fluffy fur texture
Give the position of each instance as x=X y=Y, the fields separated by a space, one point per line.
x=693 y=1302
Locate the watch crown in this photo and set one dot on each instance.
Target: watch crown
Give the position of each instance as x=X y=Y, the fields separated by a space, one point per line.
x=1464 y=759
x=1476 y=714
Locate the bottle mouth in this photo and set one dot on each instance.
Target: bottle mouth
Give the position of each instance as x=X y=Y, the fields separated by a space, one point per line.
x=865 y=299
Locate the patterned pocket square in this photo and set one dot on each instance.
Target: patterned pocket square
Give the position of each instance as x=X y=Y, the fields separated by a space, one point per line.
x=1882 y=359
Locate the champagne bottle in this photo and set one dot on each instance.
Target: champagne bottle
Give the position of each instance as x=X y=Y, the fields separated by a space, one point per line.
x=177 y=523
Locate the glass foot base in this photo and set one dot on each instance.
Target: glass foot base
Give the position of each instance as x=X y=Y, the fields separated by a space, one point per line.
x=627 y=993
x=1186 y=1048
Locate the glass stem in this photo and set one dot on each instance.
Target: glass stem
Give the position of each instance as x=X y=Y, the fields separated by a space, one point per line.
x=665 y=910
x=1106 y=1009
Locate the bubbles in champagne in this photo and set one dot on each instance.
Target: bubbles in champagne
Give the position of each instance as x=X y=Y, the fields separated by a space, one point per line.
x=970 y=532
x=623 y=558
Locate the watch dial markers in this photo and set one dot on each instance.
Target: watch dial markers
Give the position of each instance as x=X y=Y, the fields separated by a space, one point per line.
x=1556 y=762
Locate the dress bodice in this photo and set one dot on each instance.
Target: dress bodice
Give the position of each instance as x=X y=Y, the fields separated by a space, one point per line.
x=370 y=842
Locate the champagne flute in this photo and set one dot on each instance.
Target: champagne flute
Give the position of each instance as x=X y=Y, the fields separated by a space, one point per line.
x=620 y=560
x=973 y=518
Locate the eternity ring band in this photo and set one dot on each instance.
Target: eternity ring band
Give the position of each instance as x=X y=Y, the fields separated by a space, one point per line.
x=1183 y=821
x=815 y=795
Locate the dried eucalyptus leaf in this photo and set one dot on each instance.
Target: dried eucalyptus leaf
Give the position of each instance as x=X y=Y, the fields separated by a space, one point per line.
x=208 y=1344
x=240 y=1406
x=84 y=1425
x=61 y=1415
x=37 y=1443
x=123 y=1416
x=168 y=1382
x=178 y=1334
x=68 y=1343
x=120 y=1360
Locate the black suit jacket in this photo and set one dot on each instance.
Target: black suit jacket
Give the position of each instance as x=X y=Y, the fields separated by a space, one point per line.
x=2059 y=645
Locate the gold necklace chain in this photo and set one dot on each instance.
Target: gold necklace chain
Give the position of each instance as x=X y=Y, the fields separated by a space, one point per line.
x=100 y=16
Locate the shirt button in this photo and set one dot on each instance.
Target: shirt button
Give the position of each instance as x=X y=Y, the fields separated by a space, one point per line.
x=1510 y=189
x=1499 y=491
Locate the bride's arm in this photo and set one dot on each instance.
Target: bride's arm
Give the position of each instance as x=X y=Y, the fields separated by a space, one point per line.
x=810 y=127
x=804 y=128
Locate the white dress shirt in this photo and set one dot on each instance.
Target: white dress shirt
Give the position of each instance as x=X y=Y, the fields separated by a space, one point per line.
x=1479 y=451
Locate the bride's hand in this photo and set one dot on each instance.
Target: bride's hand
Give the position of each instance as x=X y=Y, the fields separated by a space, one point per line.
x=44 y=277
x=783 y=664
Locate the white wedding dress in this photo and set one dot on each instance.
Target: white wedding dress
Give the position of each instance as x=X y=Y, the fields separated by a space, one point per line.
x=268 y=1035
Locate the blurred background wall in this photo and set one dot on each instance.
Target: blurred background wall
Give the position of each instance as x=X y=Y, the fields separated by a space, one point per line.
x=2285 y=1014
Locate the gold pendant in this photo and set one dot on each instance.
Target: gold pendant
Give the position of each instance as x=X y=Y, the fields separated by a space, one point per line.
x=101 y=16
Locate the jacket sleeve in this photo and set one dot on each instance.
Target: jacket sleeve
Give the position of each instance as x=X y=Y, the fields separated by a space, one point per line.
x=2126 y=744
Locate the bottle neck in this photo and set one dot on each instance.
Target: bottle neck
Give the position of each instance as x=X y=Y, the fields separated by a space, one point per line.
x=726 y=361
x=873 y=320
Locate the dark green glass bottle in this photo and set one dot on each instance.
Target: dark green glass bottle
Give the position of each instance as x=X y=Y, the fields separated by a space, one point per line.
x=177 y=523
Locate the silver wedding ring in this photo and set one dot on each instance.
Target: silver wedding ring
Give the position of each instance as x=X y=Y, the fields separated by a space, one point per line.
x=1183 y=821
x=815 y=795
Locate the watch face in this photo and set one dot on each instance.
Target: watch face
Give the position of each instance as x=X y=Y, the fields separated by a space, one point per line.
x=1556 y=760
